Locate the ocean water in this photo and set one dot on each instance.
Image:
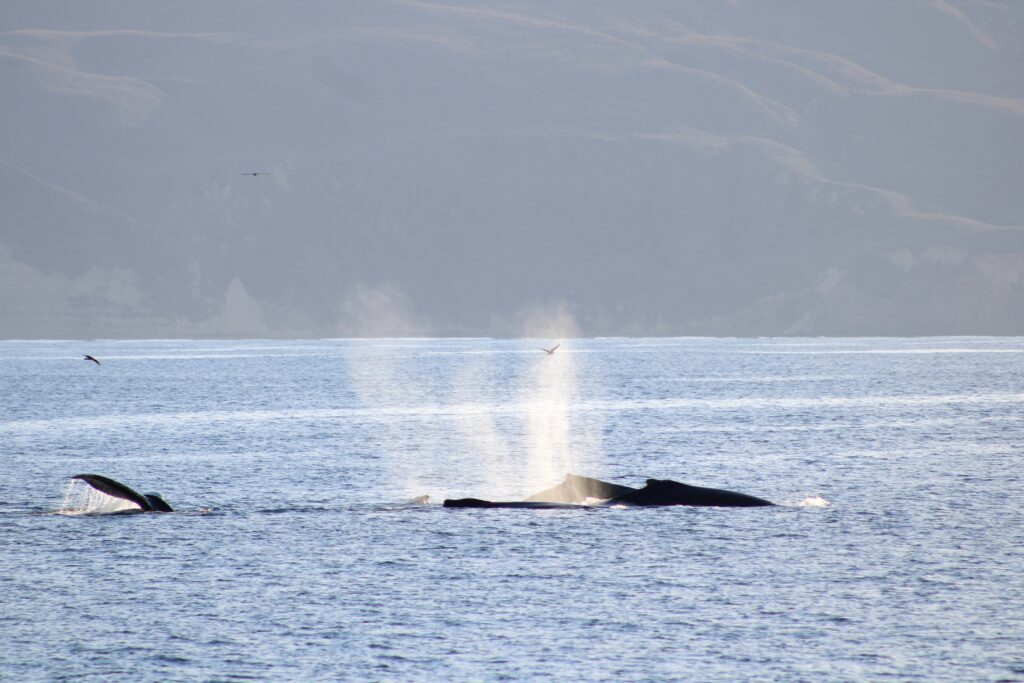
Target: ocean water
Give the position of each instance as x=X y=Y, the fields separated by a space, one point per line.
x=896 y=553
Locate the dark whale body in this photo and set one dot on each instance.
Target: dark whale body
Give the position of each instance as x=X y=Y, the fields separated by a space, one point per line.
x=530 y=504
x=668 y=492
x=577 y=489
x=574 y=491
x=147 y=502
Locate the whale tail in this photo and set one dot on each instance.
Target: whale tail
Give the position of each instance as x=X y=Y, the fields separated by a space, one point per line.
x=157 y=503
x=150 y=502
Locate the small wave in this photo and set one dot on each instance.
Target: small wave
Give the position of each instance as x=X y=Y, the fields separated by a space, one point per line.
x=814 y=502
x=295 y=509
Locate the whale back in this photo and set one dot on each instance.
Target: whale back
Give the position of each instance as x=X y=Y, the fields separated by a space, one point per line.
x=526 y=504
x=577 y=489
x=668 y=492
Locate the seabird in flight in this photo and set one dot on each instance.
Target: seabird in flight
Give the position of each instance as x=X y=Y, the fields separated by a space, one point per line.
x=88 y=357
x=552 y=349
x=255 y=173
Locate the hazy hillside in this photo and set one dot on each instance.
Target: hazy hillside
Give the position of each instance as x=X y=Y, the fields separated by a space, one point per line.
x=794 y=167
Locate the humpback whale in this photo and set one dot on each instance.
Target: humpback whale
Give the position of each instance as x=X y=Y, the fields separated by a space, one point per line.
x=668 y=492
x=530 y=504
x=574 y=491
x=577 y=489
x=147 y=502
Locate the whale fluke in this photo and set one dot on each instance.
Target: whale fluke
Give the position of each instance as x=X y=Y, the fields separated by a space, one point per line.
x=147 y=502
x=157 y=503
x=577 y=489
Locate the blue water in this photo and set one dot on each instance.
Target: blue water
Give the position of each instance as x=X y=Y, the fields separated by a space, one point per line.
x=294 y=556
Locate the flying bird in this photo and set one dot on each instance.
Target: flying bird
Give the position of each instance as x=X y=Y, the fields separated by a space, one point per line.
x=92 y=358
x=255 y=173
x=552 y=349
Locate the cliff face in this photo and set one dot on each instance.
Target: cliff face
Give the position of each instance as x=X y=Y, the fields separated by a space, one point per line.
x=707 y=167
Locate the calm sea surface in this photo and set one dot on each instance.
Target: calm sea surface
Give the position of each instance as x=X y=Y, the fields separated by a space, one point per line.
x=294 y=555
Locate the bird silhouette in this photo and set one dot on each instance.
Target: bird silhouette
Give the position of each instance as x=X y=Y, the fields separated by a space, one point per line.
x=552 y=349
x=88 y=357
x=255 y=173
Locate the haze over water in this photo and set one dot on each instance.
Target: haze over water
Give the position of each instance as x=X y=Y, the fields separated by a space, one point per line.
x=292 y=554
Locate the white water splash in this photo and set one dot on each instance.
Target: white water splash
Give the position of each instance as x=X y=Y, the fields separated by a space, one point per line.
x=814 y=502
x=82 y=499
x=554 y=445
